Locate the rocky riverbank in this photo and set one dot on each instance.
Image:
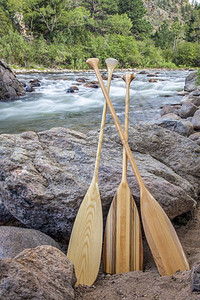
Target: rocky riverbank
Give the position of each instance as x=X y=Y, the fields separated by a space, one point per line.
x=184 y=118
x=43 y=179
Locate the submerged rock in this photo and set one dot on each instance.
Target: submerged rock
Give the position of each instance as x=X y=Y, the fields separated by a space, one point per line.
x=44 y=176
x=40 y=273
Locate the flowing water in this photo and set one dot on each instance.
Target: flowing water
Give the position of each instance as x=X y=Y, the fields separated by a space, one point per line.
x=51 y=106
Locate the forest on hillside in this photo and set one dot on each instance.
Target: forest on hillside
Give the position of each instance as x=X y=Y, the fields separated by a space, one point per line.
x=64 y=33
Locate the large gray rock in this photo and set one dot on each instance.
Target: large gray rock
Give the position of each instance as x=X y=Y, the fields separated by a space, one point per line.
x=196 y=120
x=190 y=82
x=14 y=240
x=187 y=109
x=42 y=273
x=45 y=176
x=10 y=87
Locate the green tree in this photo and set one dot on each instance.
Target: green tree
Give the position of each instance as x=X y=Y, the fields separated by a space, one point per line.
x=5 y=23
x=193 y=32
x=136 y=11
x=119 y=24
x=163 y=36
x=177 y=32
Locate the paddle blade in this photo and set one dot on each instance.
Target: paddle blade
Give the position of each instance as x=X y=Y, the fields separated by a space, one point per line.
x=84 y=249
x=122 y=250
x=161 y=237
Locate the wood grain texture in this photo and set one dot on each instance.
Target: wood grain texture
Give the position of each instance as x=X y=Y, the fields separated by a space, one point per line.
x=122 y=249
x=84 y=249
x=160 y=234
x=85 y=245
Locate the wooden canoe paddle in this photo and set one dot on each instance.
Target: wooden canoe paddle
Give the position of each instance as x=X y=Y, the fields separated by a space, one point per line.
x=122 y=249
x=161 y=235
x=85 y=244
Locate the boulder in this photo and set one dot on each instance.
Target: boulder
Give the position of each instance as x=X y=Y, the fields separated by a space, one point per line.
x=168 y=109
x=172 y=122
x=196 y=120
x=195 y=100
x=10 y=87
x=44 y=176
x=14 y=240
x=170 y=116
x=187 y=109
x=190 y=82
x=39 y=273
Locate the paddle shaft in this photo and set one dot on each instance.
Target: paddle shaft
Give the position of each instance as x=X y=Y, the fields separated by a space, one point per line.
x=127 y=78
x=93 y=62
x=111 y=66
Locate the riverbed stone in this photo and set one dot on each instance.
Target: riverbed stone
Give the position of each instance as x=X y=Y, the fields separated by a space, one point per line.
x=10 y=87
x=195 y=100
x=168 y=109
x=14 y=240
x=170 y=116
x=40 y=273
x=44 y=176
x=196 y=120
x=187 y=109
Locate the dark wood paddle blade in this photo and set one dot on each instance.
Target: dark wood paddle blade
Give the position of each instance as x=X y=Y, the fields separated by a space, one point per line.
x=161 y=236
x=122 y=249
x=84 y=249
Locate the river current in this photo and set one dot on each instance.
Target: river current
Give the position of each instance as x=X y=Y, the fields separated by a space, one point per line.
x=51 y=106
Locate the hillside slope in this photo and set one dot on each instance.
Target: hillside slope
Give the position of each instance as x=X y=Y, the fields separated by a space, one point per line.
x=170 y=10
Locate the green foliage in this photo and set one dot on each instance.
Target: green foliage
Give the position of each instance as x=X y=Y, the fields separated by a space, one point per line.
x=136 y=11
x=5 y=23
x=193 y=29
x=119 y=24
x=163 y=36
x=14 y=49
x=187 y=54
x=66 y=32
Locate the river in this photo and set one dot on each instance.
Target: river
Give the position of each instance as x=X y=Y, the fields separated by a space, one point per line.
x=51 y=106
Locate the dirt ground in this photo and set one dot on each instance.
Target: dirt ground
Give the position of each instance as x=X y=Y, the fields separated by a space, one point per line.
x=148 y=284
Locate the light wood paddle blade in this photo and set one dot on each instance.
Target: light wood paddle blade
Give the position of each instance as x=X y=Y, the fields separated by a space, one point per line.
x=122 y=249
x=85 y=244
x=161 y=236
x=84 y=249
